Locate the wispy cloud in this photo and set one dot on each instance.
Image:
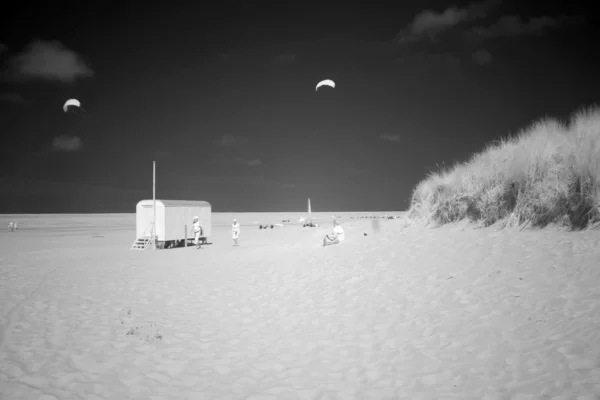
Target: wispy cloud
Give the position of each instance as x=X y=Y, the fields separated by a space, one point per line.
x=513 y=25
x=429 y=23
x=67 y=143
x=12 y=98
x=254 y=163
x=390 y=138
x=482 y=57
x=47 y=60
x=230 y=140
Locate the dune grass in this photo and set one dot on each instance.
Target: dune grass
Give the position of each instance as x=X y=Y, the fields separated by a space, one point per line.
x=549 y=173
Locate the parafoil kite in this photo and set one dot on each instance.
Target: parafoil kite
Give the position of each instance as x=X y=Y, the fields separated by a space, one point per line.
x=326 y=82
x=71 y=103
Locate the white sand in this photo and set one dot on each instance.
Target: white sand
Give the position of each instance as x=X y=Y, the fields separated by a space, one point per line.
x=404 y=314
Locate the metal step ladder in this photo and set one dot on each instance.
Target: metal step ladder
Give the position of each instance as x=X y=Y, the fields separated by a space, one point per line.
x=146 y=241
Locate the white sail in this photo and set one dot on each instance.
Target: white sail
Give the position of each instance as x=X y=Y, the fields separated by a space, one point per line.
x=309 y=208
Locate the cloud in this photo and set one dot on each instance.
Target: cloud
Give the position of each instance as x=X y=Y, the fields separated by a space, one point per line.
x=513 y=25
x=429 y=23
x=254 y=163
x=390 y=138
x=230 y=140
x=67 y=143
x=48 y=60
x=3 y=48
x=482 y=57
x=12 y=98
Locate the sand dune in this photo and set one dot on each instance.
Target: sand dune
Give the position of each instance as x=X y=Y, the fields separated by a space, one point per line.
x=402 y=313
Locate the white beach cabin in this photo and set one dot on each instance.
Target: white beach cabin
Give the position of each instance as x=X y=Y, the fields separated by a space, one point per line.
x=172 y=217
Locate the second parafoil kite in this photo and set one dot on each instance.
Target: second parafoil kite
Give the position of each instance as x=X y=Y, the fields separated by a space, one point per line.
x=326 y=82
x=71 y=103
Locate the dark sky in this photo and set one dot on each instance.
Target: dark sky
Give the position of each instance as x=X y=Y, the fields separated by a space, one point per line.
x=223 y=98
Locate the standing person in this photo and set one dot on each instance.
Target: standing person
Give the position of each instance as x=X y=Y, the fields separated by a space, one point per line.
x=10 y=226
x=15 y=227
x=197 y=229
x=235 y=232
x=336 y=237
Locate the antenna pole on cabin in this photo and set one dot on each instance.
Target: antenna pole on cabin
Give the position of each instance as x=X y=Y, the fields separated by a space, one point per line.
x=154 y=203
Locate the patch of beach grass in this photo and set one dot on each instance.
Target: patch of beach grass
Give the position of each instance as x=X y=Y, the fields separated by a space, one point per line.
x=549 y=173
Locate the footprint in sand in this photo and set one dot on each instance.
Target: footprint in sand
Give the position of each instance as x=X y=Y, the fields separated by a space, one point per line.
x=146 y=331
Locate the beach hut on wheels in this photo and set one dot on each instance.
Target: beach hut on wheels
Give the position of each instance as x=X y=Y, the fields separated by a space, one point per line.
x=173 y=222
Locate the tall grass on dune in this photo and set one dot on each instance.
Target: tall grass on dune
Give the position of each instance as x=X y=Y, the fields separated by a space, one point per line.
x=548 y=173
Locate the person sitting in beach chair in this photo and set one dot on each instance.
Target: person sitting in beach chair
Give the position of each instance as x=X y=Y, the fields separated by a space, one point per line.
x=235 y=232
x=336 y=237
x=10 y=226
x=197 y=229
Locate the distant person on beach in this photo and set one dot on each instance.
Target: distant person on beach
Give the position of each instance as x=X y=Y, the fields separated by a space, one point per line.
x=197 y=228
x=15 y=226
x=235 y=232
x=336 y=237
x=10 y=226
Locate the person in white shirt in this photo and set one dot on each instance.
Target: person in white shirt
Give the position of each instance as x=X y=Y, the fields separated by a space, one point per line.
x=10 y=226
x=197 y=229
x=336 y=237
x=235 y=232
x=15 y=226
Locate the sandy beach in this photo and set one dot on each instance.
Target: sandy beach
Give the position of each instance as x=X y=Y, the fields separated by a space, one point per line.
x=402 y=313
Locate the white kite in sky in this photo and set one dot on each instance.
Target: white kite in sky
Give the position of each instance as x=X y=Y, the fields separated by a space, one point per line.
x=71 y=103
x=326 y=82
